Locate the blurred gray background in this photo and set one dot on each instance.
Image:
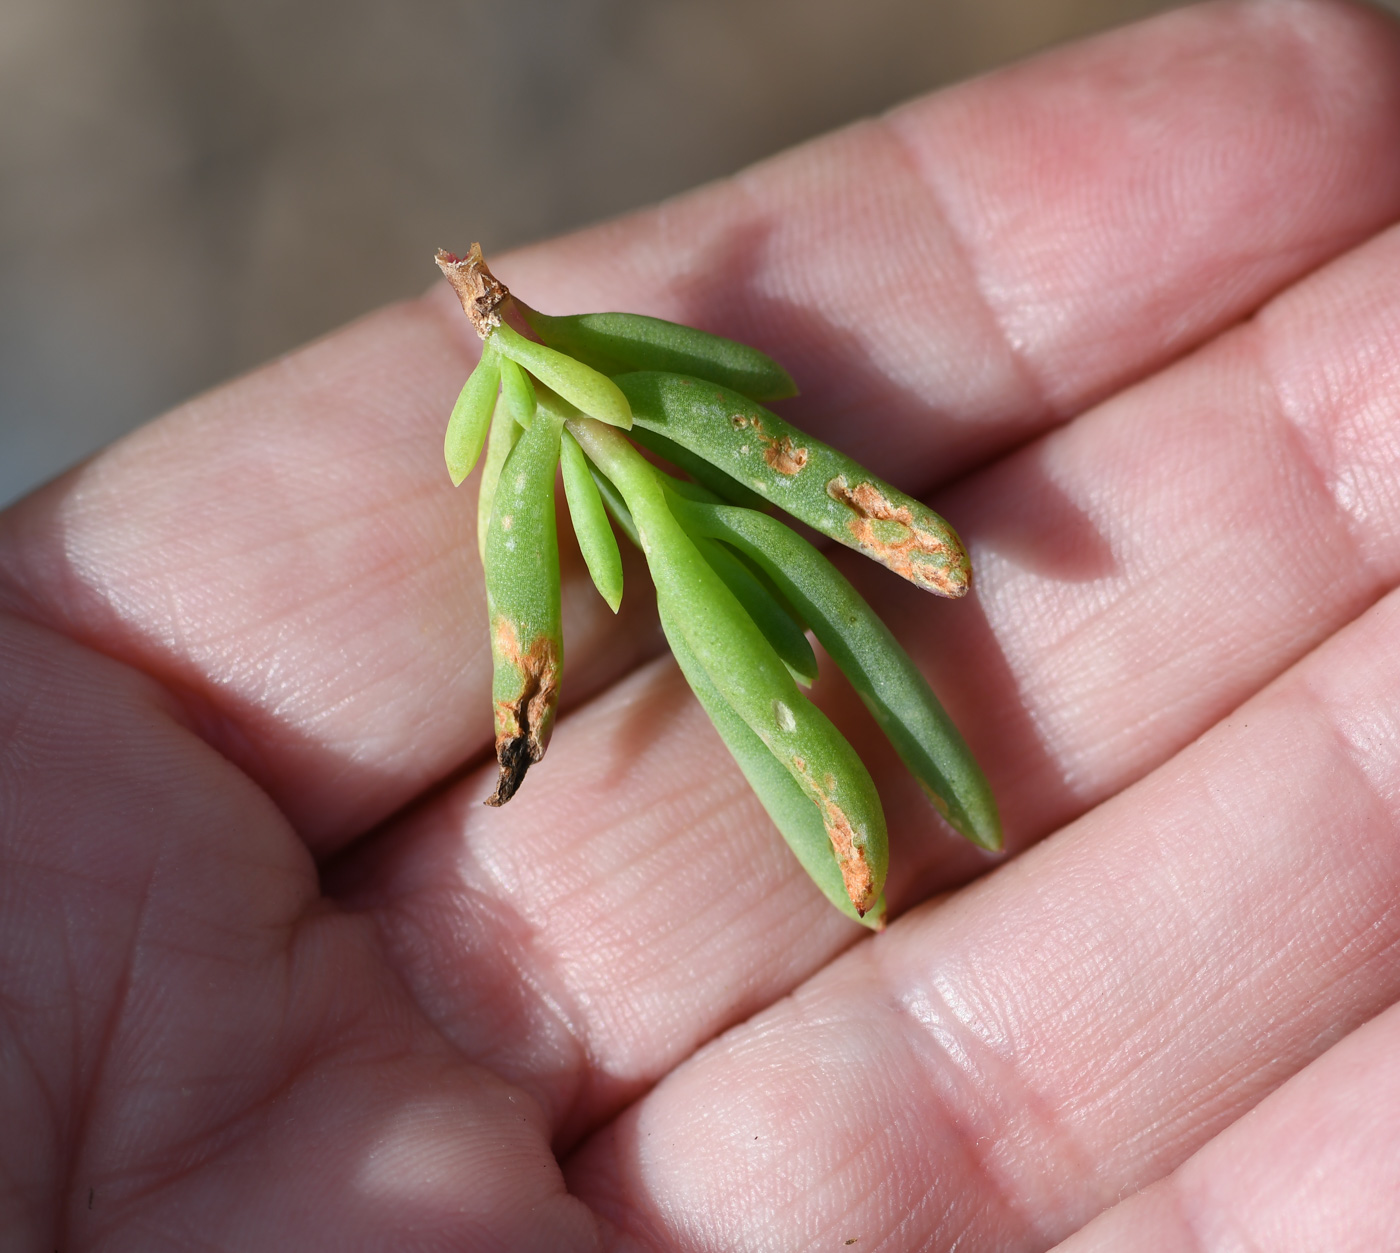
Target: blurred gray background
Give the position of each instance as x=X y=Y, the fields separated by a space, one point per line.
x=183 y=179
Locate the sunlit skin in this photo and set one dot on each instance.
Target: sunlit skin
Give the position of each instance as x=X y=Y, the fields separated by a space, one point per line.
x=272 y=977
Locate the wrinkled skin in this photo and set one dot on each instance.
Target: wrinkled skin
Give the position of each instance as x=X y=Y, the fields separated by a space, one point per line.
x=271 y=976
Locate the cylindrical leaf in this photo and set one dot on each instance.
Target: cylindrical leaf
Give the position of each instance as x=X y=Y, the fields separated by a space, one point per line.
x=471 y=415
x=596 y=540
x=618 y=342
x=889 y=683
x=747 y=672
x=788 y=806
x=519 y=393
x=522 y=601
x=593 y=393
x=812 y=481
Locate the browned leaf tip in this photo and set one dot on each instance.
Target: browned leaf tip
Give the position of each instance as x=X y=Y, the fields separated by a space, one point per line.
x=524 y=722
x=906 y=544
x=480 y=291
x=856 y=871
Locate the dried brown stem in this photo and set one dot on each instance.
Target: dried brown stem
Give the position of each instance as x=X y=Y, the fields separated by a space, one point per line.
x=480 y=291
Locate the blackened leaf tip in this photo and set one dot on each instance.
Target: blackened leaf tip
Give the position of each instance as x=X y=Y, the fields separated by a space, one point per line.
x=514 y=759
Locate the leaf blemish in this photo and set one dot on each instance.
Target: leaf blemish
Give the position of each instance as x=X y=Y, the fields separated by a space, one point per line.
x=779 y=451
x=893 y=536
x=847 y=843
x=783 y=457
x=850 y=856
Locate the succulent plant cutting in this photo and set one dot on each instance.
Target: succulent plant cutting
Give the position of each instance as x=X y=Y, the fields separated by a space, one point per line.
x=737 y=589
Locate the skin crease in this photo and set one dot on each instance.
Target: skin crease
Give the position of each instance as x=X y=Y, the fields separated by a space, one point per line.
x=272 y=977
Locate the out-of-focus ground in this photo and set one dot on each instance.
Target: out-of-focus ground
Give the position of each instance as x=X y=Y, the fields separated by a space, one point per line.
x=188 y=187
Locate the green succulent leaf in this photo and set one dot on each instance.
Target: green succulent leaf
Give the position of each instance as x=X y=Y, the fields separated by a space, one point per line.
x=809 y=479
x=747 y=672
x=519 y=393
x=582 y=386
x=889 y=683
x=595 y=537
x=787 y=805
x=616 y=343
x=471 y=415
x=522 y=603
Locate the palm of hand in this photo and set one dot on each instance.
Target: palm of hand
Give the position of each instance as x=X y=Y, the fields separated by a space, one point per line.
x=247 y=641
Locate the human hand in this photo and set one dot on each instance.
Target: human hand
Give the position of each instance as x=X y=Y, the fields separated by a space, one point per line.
x=272 y=977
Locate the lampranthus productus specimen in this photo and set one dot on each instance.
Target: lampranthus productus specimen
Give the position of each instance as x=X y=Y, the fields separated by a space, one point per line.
x=737 y=589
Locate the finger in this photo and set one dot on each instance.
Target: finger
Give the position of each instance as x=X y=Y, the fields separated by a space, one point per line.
x=582 y=958
x=999 y=1069
x=198 y=1053
x=951 y=279
x=1316 y=1166
x=286 y=554
x=1149 y=566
